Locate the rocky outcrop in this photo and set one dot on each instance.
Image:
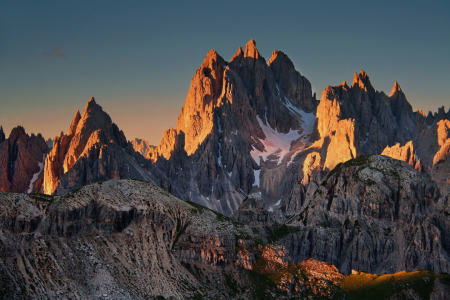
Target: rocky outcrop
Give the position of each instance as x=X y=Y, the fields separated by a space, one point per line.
x=129 y=239
x=252 y=212
x=374 y=214
x=21 y=158
x=441 y=161
x=141 y=146
x=93 y=150
x=122 y=239
x=404 y=153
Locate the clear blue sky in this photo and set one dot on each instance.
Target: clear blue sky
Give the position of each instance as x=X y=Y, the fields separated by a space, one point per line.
x=137 y=58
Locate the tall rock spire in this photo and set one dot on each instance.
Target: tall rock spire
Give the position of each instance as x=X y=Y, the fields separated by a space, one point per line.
x=396 y=88
x=251 y=51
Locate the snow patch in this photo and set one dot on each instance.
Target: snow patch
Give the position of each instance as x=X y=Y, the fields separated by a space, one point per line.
x=307 y=120
x=219 y=160
x=229 y=174
x=218 y=123
x=257 y=173
x=278 y=203
x=274 y=143
x=36 y=175
x=270 y=209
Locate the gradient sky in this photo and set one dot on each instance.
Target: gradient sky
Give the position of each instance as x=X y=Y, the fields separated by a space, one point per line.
x=137 y=58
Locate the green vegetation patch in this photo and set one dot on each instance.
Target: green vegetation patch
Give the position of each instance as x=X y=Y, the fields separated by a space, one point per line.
x=355 y=162
x=41 y=197
x=374 y=287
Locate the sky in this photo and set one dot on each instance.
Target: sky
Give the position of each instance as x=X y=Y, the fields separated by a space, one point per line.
x=137 y=58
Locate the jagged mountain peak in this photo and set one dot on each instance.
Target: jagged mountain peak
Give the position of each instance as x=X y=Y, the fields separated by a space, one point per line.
x=251 y=51
x=396 y=88
x=362 y=80
x=238 y=55
x=92 y=130
x=16 y=133
x=73 y=126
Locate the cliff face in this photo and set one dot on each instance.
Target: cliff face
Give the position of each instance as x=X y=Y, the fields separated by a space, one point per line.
x=375 y=214
x=21 y=161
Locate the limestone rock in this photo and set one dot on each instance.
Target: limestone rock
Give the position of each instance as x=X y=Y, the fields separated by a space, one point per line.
x=441 y=161
x=375 y=214
x=296 y=87
x=109 y=238
x=313 y=164
x=404 y=153
x=21 y=157
x=252 y=212
x=141 y=146
x=93 y=150
x=54 y=163
x=234 y=114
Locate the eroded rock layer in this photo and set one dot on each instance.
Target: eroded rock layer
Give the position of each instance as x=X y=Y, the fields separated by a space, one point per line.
x=375 y=214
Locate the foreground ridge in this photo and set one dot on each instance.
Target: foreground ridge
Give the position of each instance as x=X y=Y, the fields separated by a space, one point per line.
x=129 y=239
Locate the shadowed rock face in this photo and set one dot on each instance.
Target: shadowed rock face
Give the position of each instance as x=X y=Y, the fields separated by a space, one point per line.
x=375 y=214
x=296 y=87
x=20 y=158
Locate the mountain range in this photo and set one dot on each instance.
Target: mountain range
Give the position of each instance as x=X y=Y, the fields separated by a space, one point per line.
x=356 y=179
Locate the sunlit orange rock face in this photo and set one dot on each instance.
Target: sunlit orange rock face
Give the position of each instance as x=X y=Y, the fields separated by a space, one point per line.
x=169 y=143
x=441 y=161
x=54 y=163
x=89 y=136
x=141 y=146
x=244 y=85
x=338 y=135
x=405 y=153
x=196 y=117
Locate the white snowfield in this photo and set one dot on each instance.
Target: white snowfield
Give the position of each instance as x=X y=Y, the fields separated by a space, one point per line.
x=279 y=144
x=36 y=175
